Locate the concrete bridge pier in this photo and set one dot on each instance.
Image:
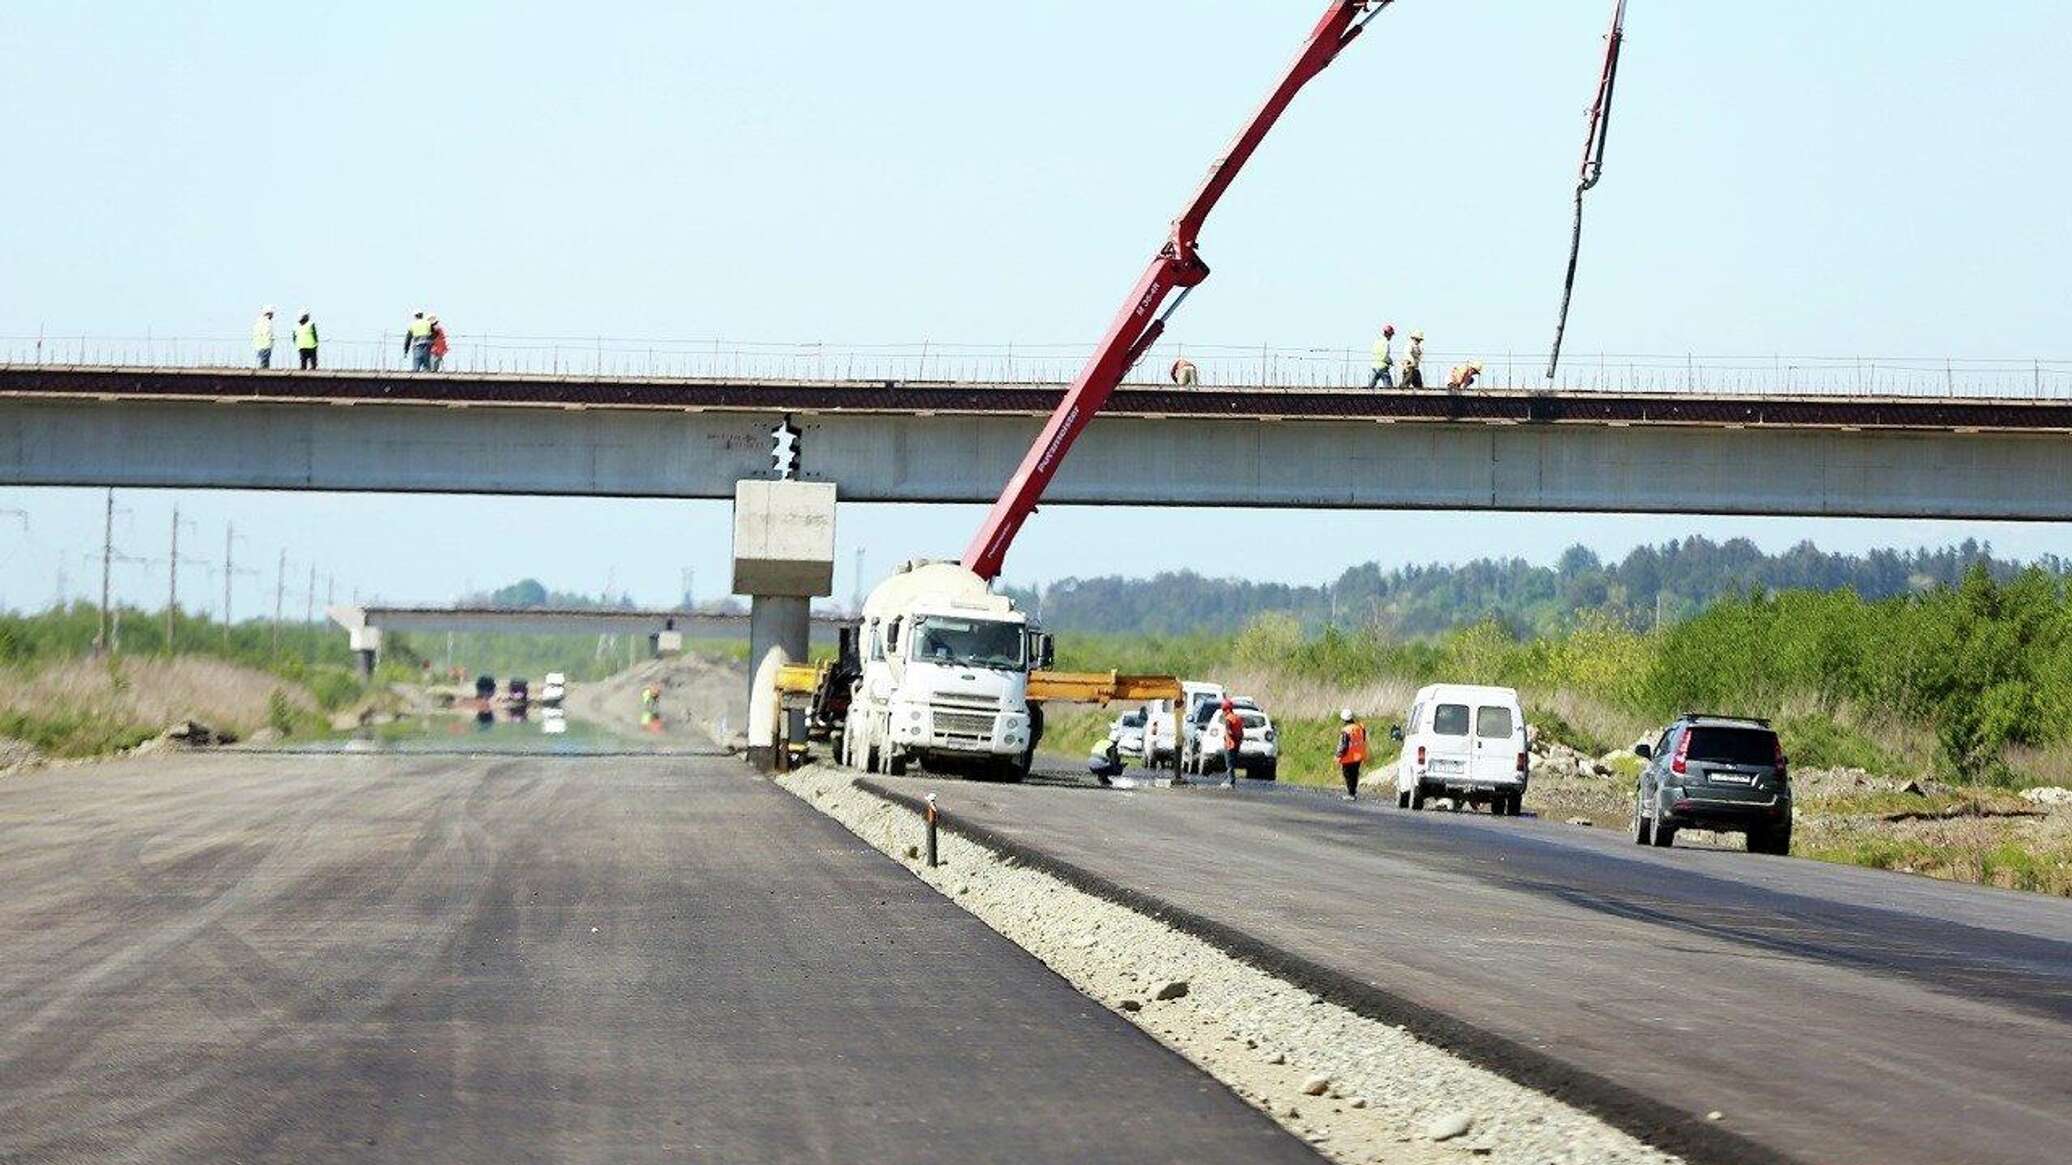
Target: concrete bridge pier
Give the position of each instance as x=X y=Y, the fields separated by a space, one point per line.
x=784 y=558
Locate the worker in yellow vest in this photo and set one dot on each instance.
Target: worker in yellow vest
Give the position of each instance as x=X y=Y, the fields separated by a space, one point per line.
x=306 y=340
x=417 y=343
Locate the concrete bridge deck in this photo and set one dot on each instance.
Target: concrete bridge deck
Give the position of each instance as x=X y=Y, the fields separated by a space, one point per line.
x=1659 y=452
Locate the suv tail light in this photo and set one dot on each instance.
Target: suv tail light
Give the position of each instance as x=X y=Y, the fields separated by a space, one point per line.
x=1783 y=763
x=1680 y=763
x=1420 y=756
x=1521 y=764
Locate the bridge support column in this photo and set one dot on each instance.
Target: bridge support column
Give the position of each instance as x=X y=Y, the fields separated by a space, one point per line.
x=784 y=557
x=366 y=644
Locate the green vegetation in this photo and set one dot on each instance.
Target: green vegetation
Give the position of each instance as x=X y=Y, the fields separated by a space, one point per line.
x=1952 y=679
x=1653 y=585
x=73 y=732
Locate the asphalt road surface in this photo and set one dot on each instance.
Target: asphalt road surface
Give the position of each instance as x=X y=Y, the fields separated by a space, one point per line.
x=1833 y=1014
x=517 y=959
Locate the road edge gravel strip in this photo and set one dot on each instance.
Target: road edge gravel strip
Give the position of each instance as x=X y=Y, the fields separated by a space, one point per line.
x=1650 y=1121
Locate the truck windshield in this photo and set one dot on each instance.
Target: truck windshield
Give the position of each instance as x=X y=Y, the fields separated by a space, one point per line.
x=968 y=642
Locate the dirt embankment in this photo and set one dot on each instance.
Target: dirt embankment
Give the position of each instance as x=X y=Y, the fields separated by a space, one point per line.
x=85 y=707
x=702 y=700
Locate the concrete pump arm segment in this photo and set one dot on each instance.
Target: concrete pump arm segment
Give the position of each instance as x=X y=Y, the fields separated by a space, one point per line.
x=1177 y=267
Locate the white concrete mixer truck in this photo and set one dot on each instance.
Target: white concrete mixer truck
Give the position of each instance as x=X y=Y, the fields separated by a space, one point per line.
x=945 y=669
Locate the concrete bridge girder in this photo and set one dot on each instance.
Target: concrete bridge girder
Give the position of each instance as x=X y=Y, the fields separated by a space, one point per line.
x=879 y=457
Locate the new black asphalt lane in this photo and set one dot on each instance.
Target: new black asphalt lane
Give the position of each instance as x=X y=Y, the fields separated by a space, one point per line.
x=531 y=959
x=1831 y=1014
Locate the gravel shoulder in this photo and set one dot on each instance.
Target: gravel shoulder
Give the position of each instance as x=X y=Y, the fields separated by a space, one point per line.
x=1359 y=1089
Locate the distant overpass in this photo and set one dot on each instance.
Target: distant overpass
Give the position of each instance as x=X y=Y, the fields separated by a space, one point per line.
x=896 y=441
x=665 y=630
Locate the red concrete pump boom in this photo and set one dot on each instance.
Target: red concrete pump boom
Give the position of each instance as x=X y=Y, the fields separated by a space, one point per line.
x=1177 y=267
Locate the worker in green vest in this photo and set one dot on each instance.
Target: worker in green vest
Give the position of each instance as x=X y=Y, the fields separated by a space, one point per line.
x=417 y=343
x=306 y=340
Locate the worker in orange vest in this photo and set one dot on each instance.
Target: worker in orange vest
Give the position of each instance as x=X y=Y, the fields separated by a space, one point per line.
x=1352 y=752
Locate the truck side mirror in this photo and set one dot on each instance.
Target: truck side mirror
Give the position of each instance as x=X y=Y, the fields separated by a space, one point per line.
x=1644 y=751
x=1046 y=651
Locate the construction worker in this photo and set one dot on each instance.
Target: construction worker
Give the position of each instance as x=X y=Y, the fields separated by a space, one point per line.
x=1413 y=364
x=417 y=343
x=1352 y=752
x=1463 y=375
x=262 y=338
x=1384 y=359
x=306 y=340
x=1185 y=374
x=1233 y=741
x=438 y=343
x=1106 y=762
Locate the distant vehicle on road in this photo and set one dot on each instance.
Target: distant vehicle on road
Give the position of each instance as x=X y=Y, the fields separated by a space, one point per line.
x=519 y=690
x=1715 y=772
x=1258 y=756
x=554 y=689
x=1464 y=743
x=485 y=687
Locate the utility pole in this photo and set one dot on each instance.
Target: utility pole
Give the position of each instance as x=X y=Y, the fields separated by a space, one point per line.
x=856 y=597
x=280 y=596
x=309 y=615
x=107 y=568
x=23 y=517
x=172 y=584
x=229 y=574
x=172 y=579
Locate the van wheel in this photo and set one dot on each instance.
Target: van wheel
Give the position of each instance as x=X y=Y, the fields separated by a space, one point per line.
x=1417 y=798
x=1402 y=799
x=870 y=759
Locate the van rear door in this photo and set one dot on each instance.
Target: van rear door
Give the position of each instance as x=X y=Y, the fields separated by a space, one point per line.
x=1496 y=744
x=1452 y=744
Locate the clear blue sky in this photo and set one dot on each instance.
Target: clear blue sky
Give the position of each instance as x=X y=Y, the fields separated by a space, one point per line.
x=1785 y=177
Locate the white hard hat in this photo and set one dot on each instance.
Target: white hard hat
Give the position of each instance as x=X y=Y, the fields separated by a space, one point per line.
x=1346 y=714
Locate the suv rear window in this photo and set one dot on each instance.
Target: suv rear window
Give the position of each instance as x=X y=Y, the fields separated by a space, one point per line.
x=1450 y=720
x=1734 y=746
x=1493 y=723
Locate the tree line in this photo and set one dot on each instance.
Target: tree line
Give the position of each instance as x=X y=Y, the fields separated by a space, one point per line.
x=1651 y=586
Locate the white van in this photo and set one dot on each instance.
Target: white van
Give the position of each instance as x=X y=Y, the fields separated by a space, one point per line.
x=1464 y=743
x=1158 y=726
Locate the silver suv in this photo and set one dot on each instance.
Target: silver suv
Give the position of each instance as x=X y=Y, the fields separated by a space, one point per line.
x=1715 y=772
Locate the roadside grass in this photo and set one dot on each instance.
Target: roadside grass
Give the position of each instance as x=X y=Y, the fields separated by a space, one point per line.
x=74 y=708
x=68 y=734
x=2006 y=863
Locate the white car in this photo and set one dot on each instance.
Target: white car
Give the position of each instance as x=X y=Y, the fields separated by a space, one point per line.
x=1258 y=755
x=1466 y=744
x=1128 y=733
x=554 y=689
